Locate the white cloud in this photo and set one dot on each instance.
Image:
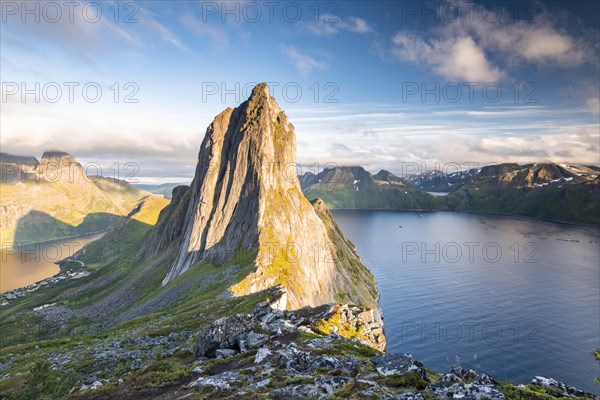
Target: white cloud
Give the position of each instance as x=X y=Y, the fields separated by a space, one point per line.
x=327 y=26
x=457 y=59
x=358 y=25
x=593 y=105
x=483 y=135
x=538 y=43
x=303 y=62
x=151 y=23
x=472 y=47
x=468 y=61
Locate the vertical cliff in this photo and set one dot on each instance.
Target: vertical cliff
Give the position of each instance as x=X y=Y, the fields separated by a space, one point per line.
x=246 y=196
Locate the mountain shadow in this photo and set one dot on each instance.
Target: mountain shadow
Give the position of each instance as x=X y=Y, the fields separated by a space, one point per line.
x=37 y=226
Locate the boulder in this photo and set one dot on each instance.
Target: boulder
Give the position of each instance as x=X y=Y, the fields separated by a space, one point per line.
x=391 y=364
x=225 y=353
x=467 y=385
x=293 y=359
x=564 y=389
x=224 y=333
x=261 y=354
x=221 y=381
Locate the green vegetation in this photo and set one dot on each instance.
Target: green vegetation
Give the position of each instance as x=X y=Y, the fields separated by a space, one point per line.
x=405 y=380
x=350 y=389
x=40 y=384
x=377 y=197
x=334 y=325
x=159 y=373
x=37 y=210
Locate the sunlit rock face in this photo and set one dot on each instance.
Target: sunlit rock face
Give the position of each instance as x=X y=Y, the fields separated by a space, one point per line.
x=246 y=197
x=60 y=166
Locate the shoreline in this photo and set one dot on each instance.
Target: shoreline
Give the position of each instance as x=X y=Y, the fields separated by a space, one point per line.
x=58 y=263
x=54 y=240
x=516 y=216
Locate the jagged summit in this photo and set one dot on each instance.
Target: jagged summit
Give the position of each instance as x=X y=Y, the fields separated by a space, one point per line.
x=385 y=175
x=246 y=197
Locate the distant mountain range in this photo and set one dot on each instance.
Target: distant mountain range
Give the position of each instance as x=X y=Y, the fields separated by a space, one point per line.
x=550 y=191
x=354 y=187
x=437 y=181
x=53 y=198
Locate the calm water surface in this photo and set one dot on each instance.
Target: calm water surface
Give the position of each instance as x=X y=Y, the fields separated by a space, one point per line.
x=27 y=264
x=511 y=297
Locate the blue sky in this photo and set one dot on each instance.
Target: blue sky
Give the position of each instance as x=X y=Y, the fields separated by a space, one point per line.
x=350 y=75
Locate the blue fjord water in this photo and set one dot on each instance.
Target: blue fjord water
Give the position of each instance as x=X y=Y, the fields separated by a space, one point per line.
x=508 y=296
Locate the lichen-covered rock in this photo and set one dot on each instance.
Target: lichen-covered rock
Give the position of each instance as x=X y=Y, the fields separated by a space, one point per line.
x=252 y=340
x=304 y=391
x=224 y=353
x=221 y=381
x=467 y=385
x=262 y=354
x=564 y=389
x=393 y=364
x=224 y=333
x=294 y=360
x=331 y=384
x=244 y=332
x=352 y=322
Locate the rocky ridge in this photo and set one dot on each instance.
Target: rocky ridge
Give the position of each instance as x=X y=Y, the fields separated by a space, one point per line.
x=275 y=354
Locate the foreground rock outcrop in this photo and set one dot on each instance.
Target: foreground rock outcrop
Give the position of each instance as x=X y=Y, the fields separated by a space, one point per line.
x=243 y=331
x=276 y=355
x=246 y=197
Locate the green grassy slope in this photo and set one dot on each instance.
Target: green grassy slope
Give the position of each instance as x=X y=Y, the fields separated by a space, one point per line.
x=37 y=210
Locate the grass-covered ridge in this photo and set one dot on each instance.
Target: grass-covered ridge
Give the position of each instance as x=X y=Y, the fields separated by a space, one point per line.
x=37 y=210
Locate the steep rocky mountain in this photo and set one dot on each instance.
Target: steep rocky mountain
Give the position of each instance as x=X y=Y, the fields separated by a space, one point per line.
x=550 y=191
x=354 y=187
x=135 y=306
x=245 y=199
x=54 y=198
x=438 y=181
